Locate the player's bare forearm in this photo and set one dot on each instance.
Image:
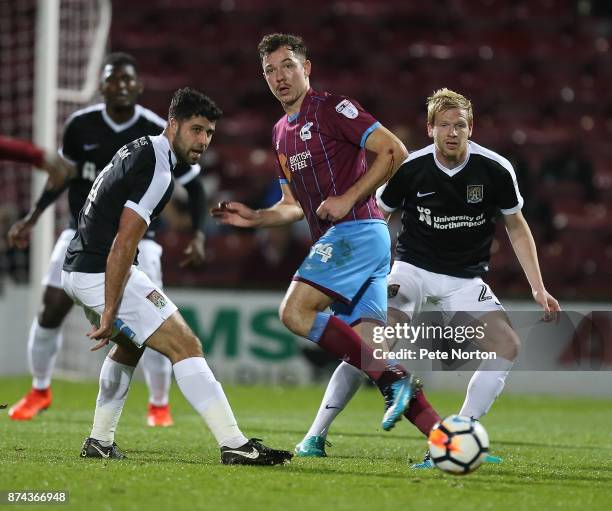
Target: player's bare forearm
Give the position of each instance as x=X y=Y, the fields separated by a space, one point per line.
x=390 y=154
x=280 y=214
x=286 y=211
x=525 y=249
x=118 y=265
x=121 y=257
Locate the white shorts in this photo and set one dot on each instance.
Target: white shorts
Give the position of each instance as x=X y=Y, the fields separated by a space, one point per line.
x=143 y=308
x=53 y=278
x=149 y=260
x=411 y=287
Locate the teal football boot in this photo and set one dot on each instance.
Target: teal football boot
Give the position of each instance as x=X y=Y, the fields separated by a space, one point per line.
x=397 y=397
x=312 y=447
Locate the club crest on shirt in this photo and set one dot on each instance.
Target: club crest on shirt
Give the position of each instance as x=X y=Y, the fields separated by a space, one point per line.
x=305 y=132
x=346 y=108
x=157 y=299
x=475 y=193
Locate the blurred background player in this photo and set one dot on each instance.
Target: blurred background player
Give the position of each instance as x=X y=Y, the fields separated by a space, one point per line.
x=320 y=145
x=100 y=273
x=443 y=261
x=91 y=138
x=13 y=149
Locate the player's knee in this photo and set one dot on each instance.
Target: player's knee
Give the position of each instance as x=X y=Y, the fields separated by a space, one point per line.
x=290 y=317
x=509 y=344
x=285 y=313
x=396 y=316
x=51 y=316
x=194 y=347
x=56 y=305
x=127 y=354
x=187 y=346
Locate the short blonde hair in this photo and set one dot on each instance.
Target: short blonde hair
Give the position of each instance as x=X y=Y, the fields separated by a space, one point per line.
x=445 y=99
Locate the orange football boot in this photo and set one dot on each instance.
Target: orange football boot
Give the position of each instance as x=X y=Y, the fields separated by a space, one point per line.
x=31 y=404
x=159 y=416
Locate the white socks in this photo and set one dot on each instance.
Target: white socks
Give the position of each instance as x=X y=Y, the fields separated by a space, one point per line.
x=114 y=385
x=484 y=387
x=204 y=393
x=342 y=386
x=157 y=369
x=43 y=345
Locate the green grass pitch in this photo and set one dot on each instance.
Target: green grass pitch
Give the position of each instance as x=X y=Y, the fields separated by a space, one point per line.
x=557 y=455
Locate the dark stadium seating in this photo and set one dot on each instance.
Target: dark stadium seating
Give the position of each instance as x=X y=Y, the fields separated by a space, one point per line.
x=539 y=74
x=534 y=71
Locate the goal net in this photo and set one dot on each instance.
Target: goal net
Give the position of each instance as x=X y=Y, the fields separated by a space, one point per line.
x=50 y=55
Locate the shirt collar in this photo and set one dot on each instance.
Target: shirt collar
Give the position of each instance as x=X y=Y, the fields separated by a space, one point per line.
x=456 y=170
x=171 y=156
x=123 y=126
x=307 y=96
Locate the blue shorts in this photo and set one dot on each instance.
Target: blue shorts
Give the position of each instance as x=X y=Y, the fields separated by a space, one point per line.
x=350 y=263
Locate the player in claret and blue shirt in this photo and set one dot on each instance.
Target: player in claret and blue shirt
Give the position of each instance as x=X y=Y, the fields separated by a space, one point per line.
x=321 y=147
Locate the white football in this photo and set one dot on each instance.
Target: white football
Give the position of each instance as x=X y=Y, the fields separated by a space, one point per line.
x=458 y=444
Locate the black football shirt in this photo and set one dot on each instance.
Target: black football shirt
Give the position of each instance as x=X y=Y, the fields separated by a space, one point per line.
x=91 y=138
x=138 y=177
x=448 y=215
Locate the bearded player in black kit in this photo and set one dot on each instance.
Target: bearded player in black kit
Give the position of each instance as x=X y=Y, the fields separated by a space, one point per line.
x=91 y=137
x=101 y=274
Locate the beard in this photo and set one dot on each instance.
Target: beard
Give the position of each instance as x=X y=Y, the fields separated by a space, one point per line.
x=183 y=152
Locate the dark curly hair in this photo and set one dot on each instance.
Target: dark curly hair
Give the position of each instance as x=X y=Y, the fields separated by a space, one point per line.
x=187 y=103
x=120 y=58
x=272 y=42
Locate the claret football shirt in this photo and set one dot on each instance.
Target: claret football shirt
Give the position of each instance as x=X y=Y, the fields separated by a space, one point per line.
x=321 y=153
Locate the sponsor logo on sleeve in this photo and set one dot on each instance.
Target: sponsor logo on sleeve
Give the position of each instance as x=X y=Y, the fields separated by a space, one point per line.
x=346 y=108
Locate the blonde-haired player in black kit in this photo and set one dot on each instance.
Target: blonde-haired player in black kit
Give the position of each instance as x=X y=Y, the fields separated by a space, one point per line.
x=450 y=193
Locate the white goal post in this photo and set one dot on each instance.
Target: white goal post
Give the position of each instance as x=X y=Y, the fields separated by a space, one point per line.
x=65 y=29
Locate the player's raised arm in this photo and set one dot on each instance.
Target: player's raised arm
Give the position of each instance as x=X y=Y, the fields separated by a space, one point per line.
x=390 y=153
x=13 y=149
x=285 y=211
x=525 y=250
